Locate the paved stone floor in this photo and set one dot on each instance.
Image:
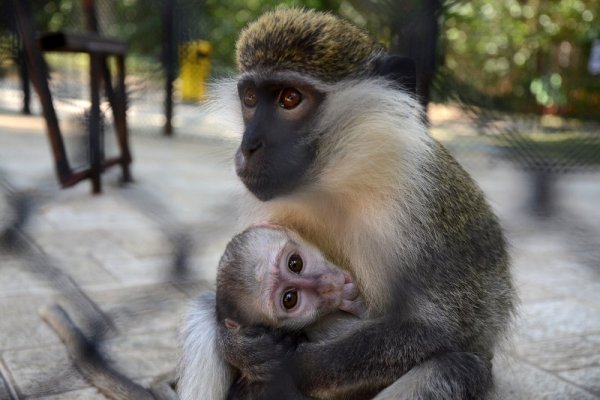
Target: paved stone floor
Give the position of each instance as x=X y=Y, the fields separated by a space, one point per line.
x=118 y=247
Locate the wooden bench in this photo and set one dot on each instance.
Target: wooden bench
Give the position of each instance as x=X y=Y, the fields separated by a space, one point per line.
x=98 y=48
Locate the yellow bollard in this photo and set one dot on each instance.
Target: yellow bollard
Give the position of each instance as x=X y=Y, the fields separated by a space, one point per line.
x=194 y=67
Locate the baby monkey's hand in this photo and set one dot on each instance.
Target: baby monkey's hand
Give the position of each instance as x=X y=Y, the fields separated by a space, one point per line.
x=352 y=302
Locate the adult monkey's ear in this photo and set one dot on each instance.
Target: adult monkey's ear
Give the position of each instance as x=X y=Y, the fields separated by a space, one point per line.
x=400 y=70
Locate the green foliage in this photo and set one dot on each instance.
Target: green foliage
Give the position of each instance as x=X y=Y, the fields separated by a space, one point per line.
x=522 y=55
x=534 y=52
x=54 y=15
x=139 y=22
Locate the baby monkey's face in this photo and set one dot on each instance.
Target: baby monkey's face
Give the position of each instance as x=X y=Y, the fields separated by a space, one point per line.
x=298 y=285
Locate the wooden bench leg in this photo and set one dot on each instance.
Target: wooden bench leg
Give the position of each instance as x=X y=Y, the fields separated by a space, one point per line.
x=95 y=140
x=120 y=116
x=24 y=78
x=38 y=75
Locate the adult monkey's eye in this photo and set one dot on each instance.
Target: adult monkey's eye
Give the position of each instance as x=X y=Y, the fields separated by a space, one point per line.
x=289 y=98
x=295 y=263
x=250 y=99
x=290 y=299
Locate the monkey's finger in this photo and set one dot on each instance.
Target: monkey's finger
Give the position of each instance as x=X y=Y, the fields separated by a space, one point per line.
x=355 y=307
x=347 y=277
x=350 y=292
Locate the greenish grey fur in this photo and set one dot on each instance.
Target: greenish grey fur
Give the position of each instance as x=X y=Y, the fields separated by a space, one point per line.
x=475 y=250
x=300 y=40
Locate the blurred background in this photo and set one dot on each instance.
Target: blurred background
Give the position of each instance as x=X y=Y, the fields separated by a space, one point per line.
x=512 y=88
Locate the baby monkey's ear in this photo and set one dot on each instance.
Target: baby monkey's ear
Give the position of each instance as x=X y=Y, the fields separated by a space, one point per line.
x=231 y=324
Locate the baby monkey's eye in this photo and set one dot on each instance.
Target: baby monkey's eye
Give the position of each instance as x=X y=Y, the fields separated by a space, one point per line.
x=290 y=299
x=295 y=263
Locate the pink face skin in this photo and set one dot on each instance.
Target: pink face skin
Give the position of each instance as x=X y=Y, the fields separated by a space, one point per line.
x=299 y=285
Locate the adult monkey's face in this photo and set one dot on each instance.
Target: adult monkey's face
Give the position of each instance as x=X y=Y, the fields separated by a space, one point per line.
x=278 y=145
x=288 y=59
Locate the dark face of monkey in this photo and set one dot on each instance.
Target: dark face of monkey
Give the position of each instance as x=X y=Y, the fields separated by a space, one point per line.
x=277 y=147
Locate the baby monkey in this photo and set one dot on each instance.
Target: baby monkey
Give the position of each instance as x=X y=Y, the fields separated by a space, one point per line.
x=269 y=276
x=271 y=282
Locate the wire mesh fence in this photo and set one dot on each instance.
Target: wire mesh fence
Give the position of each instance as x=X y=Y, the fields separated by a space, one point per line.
x=469 y=125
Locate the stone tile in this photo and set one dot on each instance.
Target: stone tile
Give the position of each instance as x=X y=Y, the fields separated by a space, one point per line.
x=7 y=213
x=62 y=241
x=563 y=354
x=4 y=392
x=16 y=278
x=82 y=255
x=193 y=289
x=553 y=319
x=143 y=309
x=85 y=394
x=43 y=371
x=71 y=210
x=551 y=270
x=107 y=250
x=576 y=192
x=547 y=243
x=91 y=218
x=21 y=326
x=138 y=271
x=142 y=243
x=40 y=225
x=204 y=266
x=143 y=356
x=516 y=380
x=544 y=277
x=587 y=292
x=83 y=269
x=588 y=378
x=529 y=291
x=19 y=333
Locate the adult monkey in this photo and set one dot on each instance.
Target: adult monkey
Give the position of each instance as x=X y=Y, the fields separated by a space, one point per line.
x=333 y=150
